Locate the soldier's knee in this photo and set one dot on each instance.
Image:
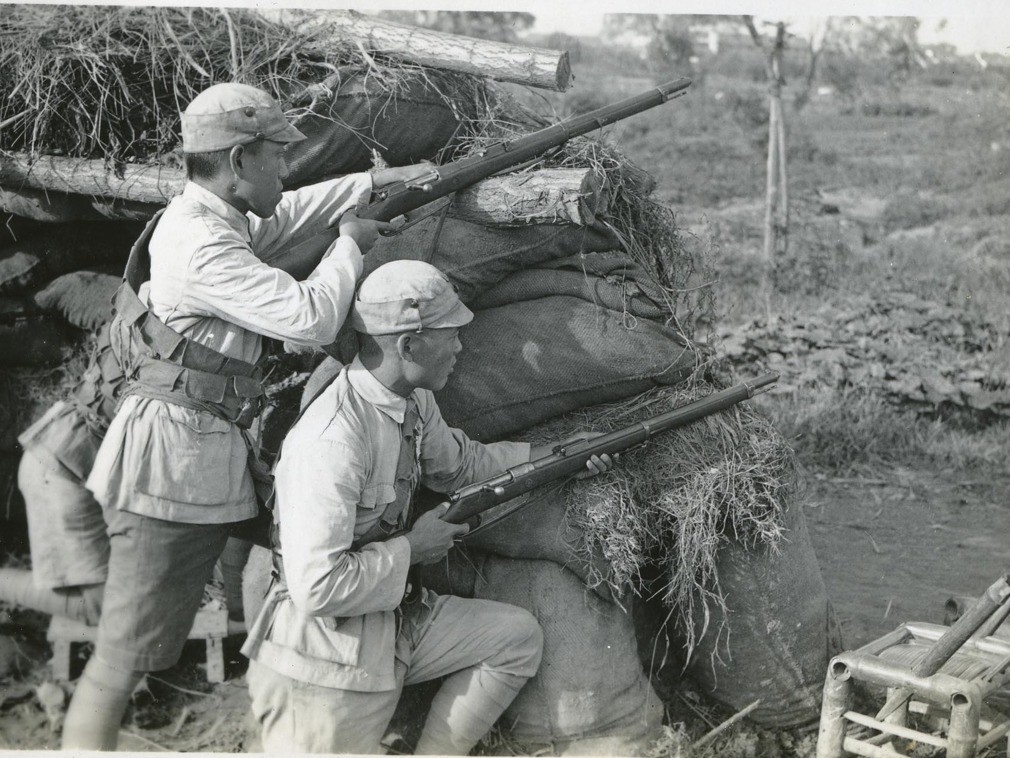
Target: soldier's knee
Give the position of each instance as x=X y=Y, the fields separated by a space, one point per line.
x=527 y=643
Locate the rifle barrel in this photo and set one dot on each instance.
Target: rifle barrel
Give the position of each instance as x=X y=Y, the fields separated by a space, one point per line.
x=399 y=198
x=472 y=500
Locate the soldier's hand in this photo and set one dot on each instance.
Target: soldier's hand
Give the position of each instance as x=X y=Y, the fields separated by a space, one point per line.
x=431 y=538
x=423 y=173
x=363 y=231
x=597 y=464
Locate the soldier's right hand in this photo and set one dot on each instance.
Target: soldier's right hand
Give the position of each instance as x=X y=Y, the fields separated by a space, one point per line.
x=431 y=538
x=363 y=231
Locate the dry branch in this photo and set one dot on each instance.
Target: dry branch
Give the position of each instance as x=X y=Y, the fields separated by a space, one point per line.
x=548 y=196
x=533 y=67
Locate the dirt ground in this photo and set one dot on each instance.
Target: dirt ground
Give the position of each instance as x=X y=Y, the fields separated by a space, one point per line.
x=891 y=549
x=895 y=548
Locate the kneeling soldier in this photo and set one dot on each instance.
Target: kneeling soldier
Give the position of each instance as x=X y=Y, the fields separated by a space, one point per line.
x=340 y=634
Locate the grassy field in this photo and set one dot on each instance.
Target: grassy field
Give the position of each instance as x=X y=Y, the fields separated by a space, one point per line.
x=897 y=184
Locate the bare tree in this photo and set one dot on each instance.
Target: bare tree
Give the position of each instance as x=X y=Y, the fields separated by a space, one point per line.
x=776 y=239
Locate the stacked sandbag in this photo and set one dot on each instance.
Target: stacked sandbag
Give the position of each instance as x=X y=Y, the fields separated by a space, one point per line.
x=776 y=632
x=573 y=707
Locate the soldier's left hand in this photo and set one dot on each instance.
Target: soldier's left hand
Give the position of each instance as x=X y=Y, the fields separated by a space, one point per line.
x=598 y=464
x=407 y=174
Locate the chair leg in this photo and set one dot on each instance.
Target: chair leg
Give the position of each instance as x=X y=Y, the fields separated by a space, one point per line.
x=215 y=659
x=962 y=735
x=836 y=701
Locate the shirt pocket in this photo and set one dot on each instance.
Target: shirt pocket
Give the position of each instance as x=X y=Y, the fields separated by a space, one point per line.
x=377 y=494
x=330 y=639
x=192 y=457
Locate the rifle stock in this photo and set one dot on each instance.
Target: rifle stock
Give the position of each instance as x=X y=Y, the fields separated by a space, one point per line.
x=400 y=198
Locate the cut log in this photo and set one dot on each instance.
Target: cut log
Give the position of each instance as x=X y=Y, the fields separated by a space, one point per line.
x=533 y=67
x=549 y=196
x=56 y=206
x=148 y=183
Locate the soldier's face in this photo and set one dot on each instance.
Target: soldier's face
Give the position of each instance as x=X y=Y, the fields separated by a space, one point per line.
x=264 y=170
x=434 y=356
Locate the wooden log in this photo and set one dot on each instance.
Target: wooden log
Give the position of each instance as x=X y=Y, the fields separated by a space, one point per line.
x=549 y=196
x=55 y=206
x=148 y=183
x=53 y=188
x=533 y=67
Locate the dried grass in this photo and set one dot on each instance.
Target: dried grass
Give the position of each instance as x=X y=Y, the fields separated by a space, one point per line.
x=104 y=81
x=672 y=503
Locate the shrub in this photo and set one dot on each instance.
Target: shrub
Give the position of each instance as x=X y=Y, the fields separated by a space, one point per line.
x=909 y=211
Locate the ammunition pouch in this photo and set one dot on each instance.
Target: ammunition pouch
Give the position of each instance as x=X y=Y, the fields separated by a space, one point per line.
x=160 y=363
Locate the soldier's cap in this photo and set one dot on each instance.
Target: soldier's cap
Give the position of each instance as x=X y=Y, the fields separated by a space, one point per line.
x=229 y=114
x=406 y=296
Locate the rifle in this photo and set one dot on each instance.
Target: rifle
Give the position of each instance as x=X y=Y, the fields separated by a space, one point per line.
x=468 y=503
x=400 y=198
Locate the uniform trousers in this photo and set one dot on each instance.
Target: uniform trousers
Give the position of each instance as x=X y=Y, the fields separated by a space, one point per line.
x=66 y=527
x=440 y=638
x=157 y=573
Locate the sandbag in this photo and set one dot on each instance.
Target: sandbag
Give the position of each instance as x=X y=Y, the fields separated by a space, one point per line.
x=780 y=632
x=83 y=298
x=32 y=262
x=590 y=694
x=360 y=115
x=526 y=362
x=609 y=279
x=540 y=530
x=30 y=338
x=476 y=257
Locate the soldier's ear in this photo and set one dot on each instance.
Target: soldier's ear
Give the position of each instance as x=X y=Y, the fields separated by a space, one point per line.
x=235 y=157
x=405 y=346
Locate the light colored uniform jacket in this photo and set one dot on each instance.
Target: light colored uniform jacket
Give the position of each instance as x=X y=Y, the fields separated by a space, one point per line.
x=211 y=281
x=332 y=621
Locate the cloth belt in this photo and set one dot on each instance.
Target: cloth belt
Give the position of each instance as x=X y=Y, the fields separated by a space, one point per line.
x=163 y=364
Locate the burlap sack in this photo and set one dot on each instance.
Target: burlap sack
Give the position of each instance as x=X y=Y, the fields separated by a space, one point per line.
x=780 y=632
x=526 y=362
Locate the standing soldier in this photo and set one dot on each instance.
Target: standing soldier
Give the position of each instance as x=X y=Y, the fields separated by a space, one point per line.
x=339 y=635
x=172 y=474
